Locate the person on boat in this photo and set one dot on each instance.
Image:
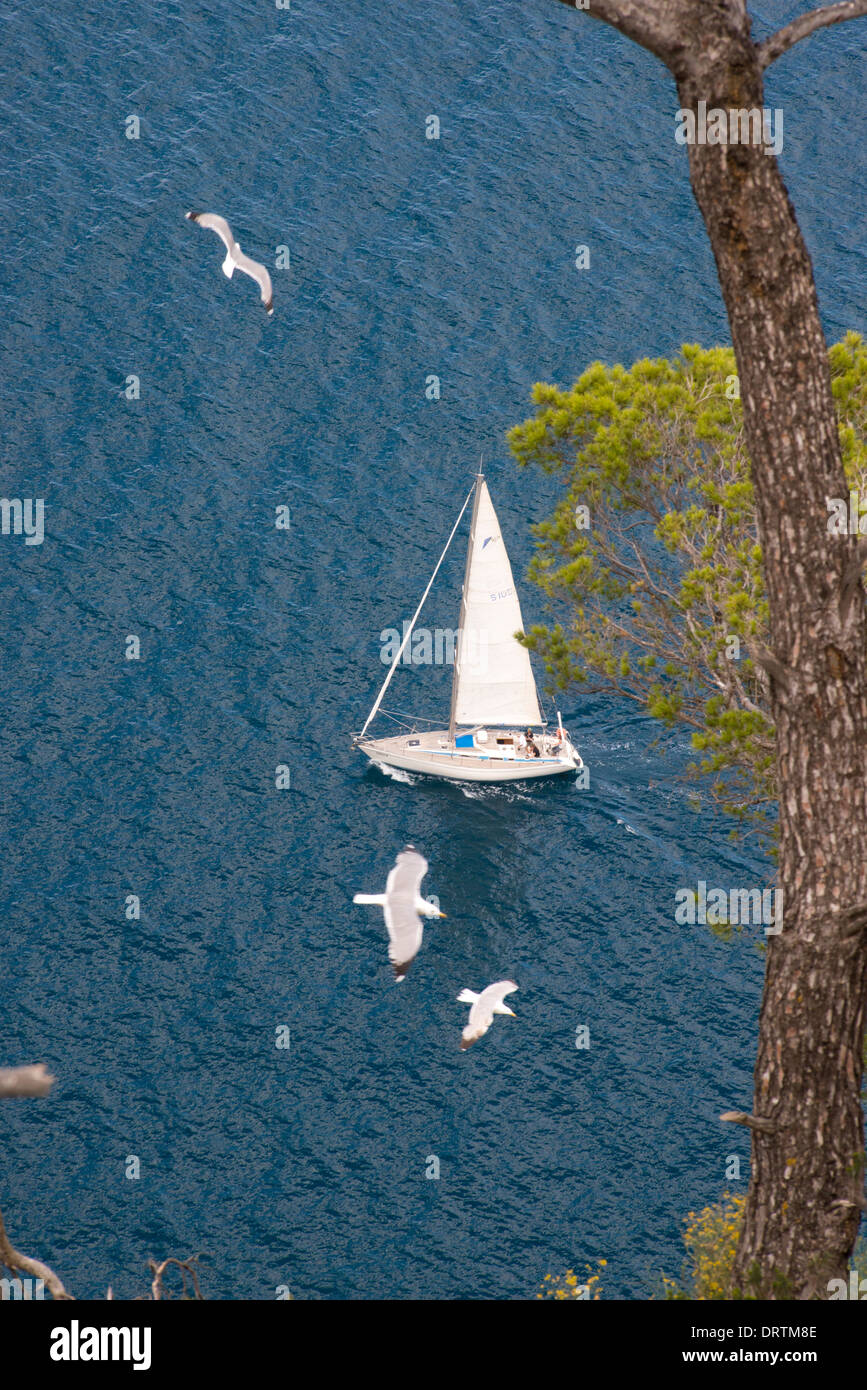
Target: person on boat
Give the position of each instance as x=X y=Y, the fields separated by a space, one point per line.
x=532 y=750
x=556 y=740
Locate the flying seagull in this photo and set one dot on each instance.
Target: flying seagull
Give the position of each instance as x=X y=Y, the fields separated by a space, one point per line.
x=403 y=906
x=235 y=258
x=485 y=1005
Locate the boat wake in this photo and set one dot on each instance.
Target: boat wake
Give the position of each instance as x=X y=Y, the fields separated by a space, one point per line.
x=486 y=791
x=397 y=774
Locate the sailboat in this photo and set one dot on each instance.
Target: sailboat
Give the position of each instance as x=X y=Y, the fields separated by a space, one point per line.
x=495 y=706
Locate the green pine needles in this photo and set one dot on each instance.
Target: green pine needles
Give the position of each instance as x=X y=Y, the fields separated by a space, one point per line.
x=651 y=561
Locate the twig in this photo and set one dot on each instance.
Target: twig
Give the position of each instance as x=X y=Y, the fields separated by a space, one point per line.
x=186 y=1267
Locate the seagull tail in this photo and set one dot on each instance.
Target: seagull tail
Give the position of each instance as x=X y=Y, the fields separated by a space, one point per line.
x=377 y=898
x=229 y=265
x=466 y=996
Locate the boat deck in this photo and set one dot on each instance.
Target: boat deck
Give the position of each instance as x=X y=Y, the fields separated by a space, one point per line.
x=498 y=758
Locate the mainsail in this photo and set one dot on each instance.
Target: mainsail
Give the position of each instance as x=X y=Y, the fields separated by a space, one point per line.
x=493 y=679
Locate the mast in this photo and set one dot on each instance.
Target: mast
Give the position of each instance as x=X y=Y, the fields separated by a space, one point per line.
x=480 y=478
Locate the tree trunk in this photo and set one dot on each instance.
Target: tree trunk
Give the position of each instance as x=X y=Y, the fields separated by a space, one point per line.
x=806 y=1190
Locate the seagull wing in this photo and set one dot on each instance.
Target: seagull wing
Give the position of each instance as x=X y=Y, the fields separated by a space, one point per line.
x=258 y=273
x=482 y=1012
x=494 y=994
x=215 y=223
x=401 y=919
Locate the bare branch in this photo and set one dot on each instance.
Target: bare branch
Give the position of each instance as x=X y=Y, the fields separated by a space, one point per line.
x=187 y=1266
x=14 y=1260
x=852 y=577
x=25 y=1081
x=654 y=24
x=772 y=664
x=737 y=1117
x=853 y=921
x=807 y=24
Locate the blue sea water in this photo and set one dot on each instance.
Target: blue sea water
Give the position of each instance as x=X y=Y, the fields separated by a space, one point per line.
x=260 y=647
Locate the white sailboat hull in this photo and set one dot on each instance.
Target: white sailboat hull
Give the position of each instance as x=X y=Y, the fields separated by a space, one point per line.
x=433 y=755
x=494 y=696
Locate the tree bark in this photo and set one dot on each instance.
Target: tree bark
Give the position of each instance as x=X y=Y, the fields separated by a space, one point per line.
x=806 y=1188
x=804 y=1201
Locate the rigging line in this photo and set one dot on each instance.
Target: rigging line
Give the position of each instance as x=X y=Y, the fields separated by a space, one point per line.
x=407 y=714
x=408 y=632
x=403 y=720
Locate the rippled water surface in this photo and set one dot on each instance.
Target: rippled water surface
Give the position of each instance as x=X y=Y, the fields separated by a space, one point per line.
x=261 y=647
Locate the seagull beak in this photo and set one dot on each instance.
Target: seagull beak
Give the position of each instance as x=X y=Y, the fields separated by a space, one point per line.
x=441 y=914
x=512 y=1013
